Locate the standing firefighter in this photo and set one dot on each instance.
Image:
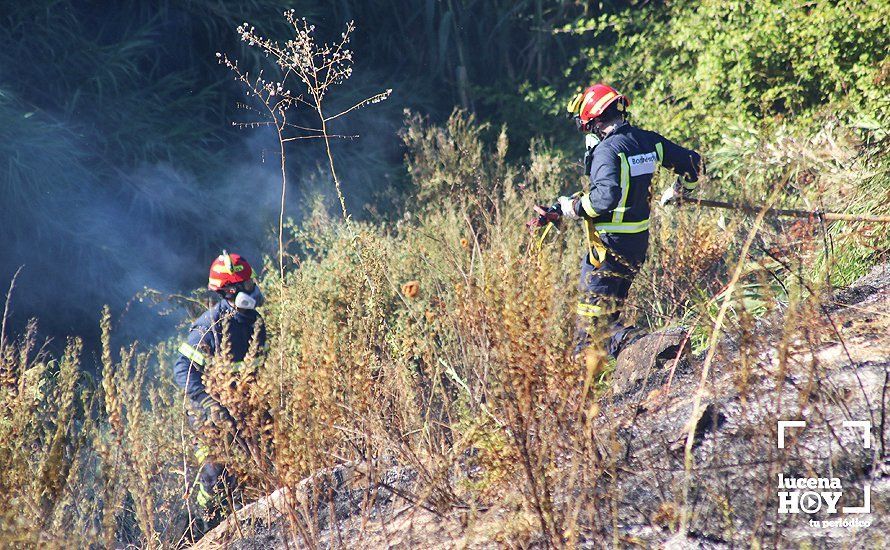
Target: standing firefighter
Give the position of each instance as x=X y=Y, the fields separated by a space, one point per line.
x=223 y=333
x=620 y=161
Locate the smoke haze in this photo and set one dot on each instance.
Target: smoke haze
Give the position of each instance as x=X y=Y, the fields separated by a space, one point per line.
x=87 y=239
x=120 y=166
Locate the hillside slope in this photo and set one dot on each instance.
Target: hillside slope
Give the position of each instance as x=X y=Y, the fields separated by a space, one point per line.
x=839 y=372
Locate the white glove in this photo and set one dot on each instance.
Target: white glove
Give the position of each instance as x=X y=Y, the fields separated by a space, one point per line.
x=567 y=205
x=669 y=195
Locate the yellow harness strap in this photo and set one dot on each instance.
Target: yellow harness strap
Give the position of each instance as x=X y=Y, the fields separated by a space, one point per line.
x=595 y=245
x=544 y=233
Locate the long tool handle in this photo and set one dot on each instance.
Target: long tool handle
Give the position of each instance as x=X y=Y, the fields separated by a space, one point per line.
x=830 y=216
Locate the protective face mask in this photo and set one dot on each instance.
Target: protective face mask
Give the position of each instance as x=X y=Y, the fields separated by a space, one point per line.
x=253 y=300
x=591 y=141
x=245 y=301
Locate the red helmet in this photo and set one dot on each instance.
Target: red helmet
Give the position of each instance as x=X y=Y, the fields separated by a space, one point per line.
x=594 y=100
x=227 y=270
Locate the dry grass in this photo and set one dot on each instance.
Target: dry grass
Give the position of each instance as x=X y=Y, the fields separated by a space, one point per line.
x=442 y=346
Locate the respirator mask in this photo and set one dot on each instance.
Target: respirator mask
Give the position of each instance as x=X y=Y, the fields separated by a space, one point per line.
x=247 y=295
x=590 y=141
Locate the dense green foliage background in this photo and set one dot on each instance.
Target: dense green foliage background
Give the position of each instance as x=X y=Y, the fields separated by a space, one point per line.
x=122 y=170
x=430 y=328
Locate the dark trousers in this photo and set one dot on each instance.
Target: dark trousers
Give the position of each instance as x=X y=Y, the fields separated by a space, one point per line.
x=603 y=291
x=213 y=482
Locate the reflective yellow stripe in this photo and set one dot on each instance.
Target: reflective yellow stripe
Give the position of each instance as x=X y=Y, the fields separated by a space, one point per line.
x=624 y=227
x=202 y=453
x=227 y=268
x=618 y=225
x=603 y=100
x=689 y=185
x=585 y=204
x=216 y=282
x=192 y=354
x=659 y=150
x=203 y=498
x=589 y=310
x=575 y=103
x=584 y=101
x=618 y=213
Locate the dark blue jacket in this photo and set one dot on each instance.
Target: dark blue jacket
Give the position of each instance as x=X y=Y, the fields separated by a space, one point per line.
x=620 y=185
x=205 y=339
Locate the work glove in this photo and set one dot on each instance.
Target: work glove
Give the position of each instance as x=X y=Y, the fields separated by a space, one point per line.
x=545 y=215
x=567 y=207
x=675 y=193
x=670 y=195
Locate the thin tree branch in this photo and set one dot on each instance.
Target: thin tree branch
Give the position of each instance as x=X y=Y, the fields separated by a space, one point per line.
x=6 y=307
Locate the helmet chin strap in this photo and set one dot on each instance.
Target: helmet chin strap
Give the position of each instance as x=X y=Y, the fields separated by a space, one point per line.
x=601 y=131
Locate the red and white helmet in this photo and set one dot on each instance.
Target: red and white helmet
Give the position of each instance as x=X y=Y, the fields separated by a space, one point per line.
x=594 y=101
x=228 y=270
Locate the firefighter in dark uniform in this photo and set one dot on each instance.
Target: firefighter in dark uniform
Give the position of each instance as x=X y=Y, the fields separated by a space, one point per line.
x=621 y=160
x=231 y=321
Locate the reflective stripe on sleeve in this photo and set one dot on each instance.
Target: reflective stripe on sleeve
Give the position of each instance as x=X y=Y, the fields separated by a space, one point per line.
x=588 y=208
x=192 y=354
x=659 y=150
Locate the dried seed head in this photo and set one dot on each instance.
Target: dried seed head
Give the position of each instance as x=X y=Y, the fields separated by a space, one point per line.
x=411 y=289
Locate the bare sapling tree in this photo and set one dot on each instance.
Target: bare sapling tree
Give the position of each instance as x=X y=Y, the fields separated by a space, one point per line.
x=292 y=102
x=315 y=68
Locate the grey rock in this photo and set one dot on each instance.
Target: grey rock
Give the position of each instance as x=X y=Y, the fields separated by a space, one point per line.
x=644 y=362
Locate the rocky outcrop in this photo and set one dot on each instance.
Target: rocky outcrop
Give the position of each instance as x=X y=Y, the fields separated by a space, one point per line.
x=650 y=361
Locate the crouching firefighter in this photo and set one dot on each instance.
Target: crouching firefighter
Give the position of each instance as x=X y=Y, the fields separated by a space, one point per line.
x=620 y=162
x=226 y=331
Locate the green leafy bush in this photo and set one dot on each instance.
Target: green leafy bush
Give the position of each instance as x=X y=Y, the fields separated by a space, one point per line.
x=695 y=70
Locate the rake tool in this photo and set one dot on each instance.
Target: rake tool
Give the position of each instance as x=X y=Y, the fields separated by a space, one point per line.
x=786 y=212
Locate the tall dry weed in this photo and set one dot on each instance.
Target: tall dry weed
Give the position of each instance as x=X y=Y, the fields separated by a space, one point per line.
x=436 y=343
